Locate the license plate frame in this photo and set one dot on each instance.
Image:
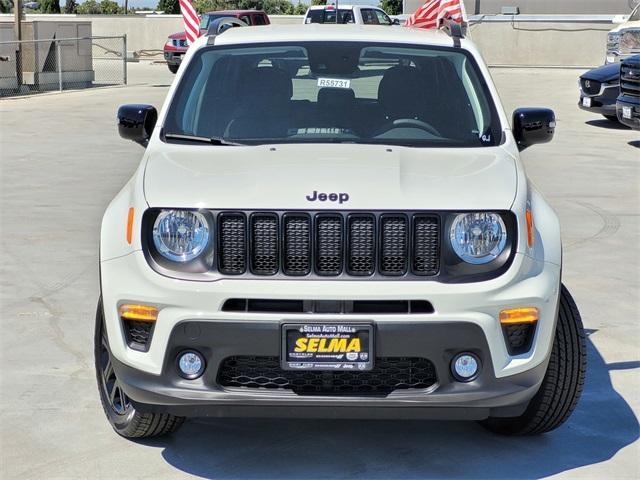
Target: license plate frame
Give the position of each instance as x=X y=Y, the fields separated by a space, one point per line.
x=332 y=360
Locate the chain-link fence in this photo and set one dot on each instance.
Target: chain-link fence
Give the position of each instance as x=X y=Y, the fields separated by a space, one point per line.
x=33 y=66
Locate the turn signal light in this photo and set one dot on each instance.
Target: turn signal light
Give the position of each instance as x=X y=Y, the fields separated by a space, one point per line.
x=519 y=315
x=130 y=226
x=141 y=313
x=530 y=231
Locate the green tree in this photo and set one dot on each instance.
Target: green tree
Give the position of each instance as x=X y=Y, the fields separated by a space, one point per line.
x=4 y=6
x=71 y=7
x=109 y=7
x=319 y=2
x=89 y=7
x=50 y=6
x=169 y=6
x=392 y=7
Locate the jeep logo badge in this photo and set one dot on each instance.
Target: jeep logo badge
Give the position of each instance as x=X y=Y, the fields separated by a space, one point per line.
x=332 y=197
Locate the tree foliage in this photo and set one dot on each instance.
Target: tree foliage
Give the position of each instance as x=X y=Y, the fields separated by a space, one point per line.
x=169 y=6
x=71 y=7
x=271 y=7
x=392 y=7
x=50 y=6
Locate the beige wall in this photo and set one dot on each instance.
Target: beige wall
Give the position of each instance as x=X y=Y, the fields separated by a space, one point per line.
x=504 y=43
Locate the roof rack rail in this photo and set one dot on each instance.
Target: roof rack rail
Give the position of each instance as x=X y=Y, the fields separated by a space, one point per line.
x=454 y=29
x=221 y=25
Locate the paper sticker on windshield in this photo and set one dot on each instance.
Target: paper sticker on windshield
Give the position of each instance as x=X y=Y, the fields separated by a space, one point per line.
x=334 y=83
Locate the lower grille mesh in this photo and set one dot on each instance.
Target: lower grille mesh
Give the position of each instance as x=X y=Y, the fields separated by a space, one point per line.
x=388 y=374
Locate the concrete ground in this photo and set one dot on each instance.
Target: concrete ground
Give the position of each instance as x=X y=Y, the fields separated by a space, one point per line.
x=61 y=162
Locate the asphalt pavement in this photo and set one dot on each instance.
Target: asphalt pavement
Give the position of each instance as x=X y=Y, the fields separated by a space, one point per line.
x=61 y=162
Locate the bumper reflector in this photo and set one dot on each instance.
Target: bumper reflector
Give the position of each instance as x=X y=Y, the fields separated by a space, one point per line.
x=519 y=315
x=141 y=313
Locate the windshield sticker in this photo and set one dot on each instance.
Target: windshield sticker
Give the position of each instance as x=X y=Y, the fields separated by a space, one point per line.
x=334 y=83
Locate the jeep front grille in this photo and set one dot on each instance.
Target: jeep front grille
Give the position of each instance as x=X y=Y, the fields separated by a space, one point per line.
x=388 y=374
x=344 y=244
x=630 y=78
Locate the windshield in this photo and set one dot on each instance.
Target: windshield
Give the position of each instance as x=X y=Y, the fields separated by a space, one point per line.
x=333 y=92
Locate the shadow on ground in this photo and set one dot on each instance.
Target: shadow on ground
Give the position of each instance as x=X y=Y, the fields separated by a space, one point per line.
x=285 y=449
x=635 y=143
x=603 y=123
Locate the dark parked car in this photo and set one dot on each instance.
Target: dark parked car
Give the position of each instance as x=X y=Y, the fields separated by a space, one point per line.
x=628 y=105
x=599 y=89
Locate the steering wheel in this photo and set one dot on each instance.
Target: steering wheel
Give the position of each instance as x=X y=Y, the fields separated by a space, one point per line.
x=409 y=123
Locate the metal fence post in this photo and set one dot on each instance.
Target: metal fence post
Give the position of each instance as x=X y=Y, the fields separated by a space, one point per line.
x=59 y=56
x=124 y=58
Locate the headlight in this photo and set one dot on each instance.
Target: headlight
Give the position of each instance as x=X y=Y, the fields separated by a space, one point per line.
x=180 y=235
x=478 y=238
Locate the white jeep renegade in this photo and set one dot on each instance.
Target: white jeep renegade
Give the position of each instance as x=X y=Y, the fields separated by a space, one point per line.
x=334 y=221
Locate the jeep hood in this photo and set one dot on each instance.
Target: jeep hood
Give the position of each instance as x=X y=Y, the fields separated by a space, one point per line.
x=374 y=177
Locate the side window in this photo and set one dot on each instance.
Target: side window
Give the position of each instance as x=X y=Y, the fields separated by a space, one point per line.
x=383 y=19
x=258 y=20
x=346 y=16
x=246 y=19
x=369 y=17
x=315 y=16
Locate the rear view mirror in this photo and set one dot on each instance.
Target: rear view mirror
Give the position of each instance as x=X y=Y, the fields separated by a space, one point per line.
x=533 y=125
x=136 y=122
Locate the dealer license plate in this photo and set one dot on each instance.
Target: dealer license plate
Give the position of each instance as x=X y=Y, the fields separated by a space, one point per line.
x=586 y=102
x=626 y=112
x=327 y=346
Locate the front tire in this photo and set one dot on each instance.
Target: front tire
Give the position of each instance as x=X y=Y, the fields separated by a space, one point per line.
x=125 y=419
x=563 y=382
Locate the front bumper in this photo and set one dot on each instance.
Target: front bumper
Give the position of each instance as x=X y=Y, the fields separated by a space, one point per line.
x=634 y=106
x=446 y=399
x=465 y=319
x=173 y=57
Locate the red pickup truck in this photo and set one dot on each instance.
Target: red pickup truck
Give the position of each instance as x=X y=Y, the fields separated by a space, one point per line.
x=176 y=45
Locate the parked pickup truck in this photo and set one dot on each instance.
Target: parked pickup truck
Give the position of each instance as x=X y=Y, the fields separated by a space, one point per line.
x=176 y=45
x=624 y=40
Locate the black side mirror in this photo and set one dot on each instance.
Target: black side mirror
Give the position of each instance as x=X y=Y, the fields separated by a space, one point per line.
x=395 y=21
x=136 y=122
x=533 y=125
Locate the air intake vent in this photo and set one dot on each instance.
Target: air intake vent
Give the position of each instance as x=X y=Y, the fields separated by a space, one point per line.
x=394 y=231
x=329 y=242
x=232 y=258
x=297 y=244
x=426 y=245
x=264 y=244
x=361 y=244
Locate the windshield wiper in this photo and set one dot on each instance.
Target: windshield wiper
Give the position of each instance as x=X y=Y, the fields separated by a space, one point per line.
x=194 y=138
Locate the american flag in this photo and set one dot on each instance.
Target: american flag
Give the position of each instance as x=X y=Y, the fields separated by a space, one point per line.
x=431 y=14
x=190 y=20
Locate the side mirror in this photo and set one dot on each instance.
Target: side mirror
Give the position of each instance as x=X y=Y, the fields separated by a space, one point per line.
x=395 y=21
x=136 y=122
x=533 y=125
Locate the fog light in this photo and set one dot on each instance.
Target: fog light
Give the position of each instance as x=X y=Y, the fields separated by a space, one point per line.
x=465 y=367
x=190 y=365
